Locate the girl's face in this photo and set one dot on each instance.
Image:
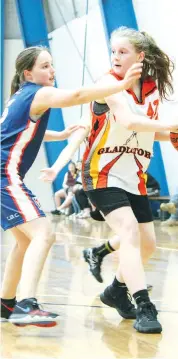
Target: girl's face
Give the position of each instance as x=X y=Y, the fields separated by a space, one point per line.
x=42 y=72
x=123 y=55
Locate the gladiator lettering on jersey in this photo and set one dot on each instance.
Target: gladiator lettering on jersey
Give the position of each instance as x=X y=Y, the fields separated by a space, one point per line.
x=125 y=149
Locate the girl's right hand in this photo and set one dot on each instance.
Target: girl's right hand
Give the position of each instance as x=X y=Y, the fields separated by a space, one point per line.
x=133 y=73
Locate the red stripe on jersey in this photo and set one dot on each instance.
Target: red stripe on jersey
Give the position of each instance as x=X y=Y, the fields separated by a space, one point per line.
x=140 y=173
x=15 y=201
x=103 y=174
x=30 y=199
x=96 y=129
x=7 y=170
x=31 y=138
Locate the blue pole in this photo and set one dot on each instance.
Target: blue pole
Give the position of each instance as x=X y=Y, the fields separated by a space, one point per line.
x=34 y=32
x=116 y=13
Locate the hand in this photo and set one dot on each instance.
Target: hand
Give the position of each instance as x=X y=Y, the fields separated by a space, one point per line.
x=69 y=130
x=48 y=175
x=133 y=74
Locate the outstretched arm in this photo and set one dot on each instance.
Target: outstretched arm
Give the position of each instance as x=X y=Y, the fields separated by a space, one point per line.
x=61 y=135
x=50 y=97
x=49 y=174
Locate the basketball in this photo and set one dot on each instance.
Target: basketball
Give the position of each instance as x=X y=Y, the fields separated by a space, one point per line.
x=174 y=139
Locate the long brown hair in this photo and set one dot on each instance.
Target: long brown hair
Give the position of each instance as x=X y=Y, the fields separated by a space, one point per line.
x=25 y=61
x=156 y=63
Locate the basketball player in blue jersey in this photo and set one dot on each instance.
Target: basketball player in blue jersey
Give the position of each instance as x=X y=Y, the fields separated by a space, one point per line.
x=23 y=127
x=118 y=151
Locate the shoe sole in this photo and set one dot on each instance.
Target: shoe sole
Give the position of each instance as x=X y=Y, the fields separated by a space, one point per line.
x=36 y=320
x=107 y=302
x=141 y=329
x=87 y=261
x=37 y=324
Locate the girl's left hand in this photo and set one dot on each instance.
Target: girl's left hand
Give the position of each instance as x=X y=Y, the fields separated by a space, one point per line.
x=48 y=175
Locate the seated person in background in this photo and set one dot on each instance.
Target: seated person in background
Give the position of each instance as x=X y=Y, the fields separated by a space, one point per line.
x=66 y=192
x=84 y=204
x=80 y=200
x=153 y=190
x=172 y=208
x=76 y=206
x=79 y=176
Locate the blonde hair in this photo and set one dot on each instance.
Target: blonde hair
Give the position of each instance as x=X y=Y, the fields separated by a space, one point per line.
x=156 y=63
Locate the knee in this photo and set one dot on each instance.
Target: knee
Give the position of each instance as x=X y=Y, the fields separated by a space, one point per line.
x=49 y=236
x=57 y=195
x=22 y=246
x=46 y=234
x=131 y=232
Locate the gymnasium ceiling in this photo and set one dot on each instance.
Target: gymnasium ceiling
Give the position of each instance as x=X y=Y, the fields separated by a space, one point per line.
x=57 y=12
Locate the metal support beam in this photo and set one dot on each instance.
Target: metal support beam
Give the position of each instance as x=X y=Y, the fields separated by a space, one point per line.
x=34 y=32
x=2 y=53
x=116 y=13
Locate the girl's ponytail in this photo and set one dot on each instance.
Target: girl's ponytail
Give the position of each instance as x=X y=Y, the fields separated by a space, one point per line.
x=15 y=84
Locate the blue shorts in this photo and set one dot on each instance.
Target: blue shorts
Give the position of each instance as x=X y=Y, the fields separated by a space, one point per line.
x=18 y=205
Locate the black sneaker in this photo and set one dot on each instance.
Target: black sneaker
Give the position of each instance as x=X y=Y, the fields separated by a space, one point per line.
x=56 y=212
x=6 y=311
x=120 y=301
x=94 y=262
x=146 y=319
x=28 y=312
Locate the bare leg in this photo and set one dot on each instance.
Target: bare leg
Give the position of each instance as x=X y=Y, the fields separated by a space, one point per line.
x=131 y=269
x=58 y=195
x=115 y=242
x=13 y=266
x=66 y=203
x=147 y=240
x=39 y=232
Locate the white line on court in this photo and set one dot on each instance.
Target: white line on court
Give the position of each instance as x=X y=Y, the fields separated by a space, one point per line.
x=104 y=239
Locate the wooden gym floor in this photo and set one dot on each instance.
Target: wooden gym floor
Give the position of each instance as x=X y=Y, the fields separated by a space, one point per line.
x=88 y=329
